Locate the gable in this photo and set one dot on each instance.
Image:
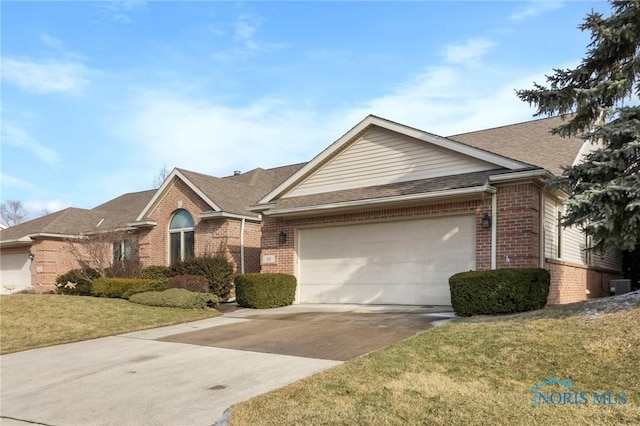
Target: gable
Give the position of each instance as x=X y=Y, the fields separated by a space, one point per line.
x=177 y=195
x=381 y=156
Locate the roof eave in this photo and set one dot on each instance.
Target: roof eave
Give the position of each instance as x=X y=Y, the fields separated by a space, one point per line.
x=382 y=202
x=176 y=173
x=142 y=224
x=226 y=215
x=17 y=242
x=371 y=120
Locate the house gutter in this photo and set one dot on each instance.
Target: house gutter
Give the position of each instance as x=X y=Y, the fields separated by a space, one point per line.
x=225 y=215
x=494 y=229
x=372 y=202
x=242 y=246
x=525 y=174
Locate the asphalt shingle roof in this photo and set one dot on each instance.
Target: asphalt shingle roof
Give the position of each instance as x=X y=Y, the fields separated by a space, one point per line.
x=530 y=142
x=70 y=221
x=233 y=194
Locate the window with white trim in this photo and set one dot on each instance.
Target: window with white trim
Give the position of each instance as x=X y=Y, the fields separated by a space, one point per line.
x=122 y=250
x=181 y=237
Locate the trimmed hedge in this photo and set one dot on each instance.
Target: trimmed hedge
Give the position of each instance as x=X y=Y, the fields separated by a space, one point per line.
x=175 y=298
x=196 y=283
x=500 y=291
x=155 y=272
x=217 y=269
x=125 y=287
x=76 y=282
x=262 y=291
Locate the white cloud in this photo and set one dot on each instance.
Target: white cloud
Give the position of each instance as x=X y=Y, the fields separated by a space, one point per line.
x=8 y=181
x=534 y=8
x=469 y=51
x=120 y=10
x=13 y=134
x=244 y=30
x=36 y=208
x=209 y=138
x=46 y=76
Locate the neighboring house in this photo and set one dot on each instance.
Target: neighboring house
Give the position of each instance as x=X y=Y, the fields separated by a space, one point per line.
x=189 y=214
x=387 y=213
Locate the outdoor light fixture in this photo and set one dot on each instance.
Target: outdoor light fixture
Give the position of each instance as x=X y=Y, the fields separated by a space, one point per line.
x=486 y=221
x=282 y=238
x=31 y=256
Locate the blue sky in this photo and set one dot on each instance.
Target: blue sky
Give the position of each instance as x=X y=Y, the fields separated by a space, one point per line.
x=98 y=96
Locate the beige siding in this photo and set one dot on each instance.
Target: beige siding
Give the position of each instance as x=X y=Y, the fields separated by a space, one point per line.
x=611 y=259
x=550 y=227
x=381 y=157
x=573 y=245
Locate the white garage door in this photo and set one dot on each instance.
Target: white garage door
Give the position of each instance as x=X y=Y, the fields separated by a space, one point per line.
x=15 y=273
x=406 y=262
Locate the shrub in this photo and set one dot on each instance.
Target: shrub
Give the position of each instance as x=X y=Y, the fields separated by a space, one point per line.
x=196 y=283
x=124 y=287
x=500 y=291
x=217 y=269
x=265 y=290
x=76 y=282
x=157 y=284
x=155 y=272
x=175 y=298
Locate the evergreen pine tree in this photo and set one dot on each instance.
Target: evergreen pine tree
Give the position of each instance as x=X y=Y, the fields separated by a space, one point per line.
x=604 y=190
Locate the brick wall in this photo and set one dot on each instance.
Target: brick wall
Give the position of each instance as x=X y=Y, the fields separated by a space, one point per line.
x=51 y=259
x=570 y=281
x=518 y=226
x=210 y=237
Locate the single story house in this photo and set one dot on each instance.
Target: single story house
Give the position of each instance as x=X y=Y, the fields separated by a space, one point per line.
x=387 y=213
x=384 y=215
x=189 y=214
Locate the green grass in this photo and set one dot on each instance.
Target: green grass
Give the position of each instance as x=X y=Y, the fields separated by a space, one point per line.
x=473 y=372
x=29 y=321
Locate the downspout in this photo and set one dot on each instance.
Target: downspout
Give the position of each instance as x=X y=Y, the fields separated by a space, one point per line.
x=542 y=232
x=494 y=230
x=242 y=247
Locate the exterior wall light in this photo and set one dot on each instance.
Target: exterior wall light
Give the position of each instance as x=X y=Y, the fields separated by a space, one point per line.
x=31 y=256
x=282 y=238
x=486 y=221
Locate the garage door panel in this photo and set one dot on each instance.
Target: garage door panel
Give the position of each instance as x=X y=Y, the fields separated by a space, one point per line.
x=403 y=262
x=15 y=272
x=380 y=294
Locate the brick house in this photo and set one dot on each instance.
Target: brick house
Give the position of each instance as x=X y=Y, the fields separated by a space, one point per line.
x=384 y=215
x=387 y=213
x=190 y=214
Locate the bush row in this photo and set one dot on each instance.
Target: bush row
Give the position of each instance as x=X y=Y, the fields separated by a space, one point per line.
x=500 y=291
x=262 y=291
x=175 y=298
x=125 y=287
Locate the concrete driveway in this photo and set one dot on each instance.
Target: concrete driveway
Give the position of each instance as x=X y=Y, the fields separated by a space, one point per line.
x=189 y=374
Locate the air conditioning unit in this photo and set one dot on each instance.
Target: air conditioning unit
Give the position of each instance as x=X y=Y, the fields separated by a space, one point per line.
x=620 y=286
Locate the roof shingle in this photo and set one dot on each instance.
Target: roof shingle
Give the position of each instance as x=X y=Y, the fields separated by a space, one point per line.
x=530 y=142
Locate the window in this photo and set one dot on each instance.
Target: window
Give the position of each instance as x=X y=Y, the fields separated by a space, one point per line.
x=559 y=249
x=181 y=237
x=121 y=250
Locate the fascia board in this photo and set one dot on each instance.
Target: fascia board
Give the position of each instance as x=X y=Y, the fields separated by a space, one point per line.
x=175 y=173
x=383 y=201
x=401 y=129
x=225 y=215
x=318 y=159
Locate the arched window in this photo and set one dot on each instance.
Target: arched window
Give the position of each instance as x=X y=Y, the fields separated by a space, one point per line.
x=181 y=237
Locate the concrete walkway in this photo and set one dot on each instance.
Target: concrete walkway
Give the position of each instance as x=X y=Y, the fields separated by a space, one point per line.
x=136 y=379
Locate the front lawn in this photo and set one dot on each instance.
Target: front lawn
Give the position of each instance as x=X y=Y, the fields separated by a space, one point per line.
x=29 y=321
x=477 y=372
